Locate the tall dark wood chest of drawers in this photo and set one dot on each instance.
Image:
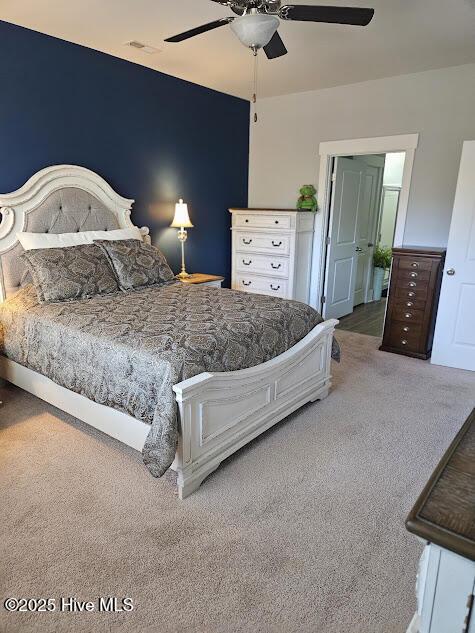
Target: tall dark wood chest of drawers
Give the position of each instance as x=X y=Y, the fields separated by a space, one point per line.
x=416 y=276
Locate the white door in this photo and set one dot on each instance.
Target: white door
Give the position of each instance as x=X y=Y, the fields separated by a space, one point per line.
x=342 y=257
x=353 y=218
x=454 y=339
x=368 y=210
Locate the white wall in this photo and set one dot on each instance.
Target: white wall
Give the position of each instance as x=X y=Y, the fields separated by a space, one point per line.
x=438 y=104
x=392 y=177
x=388 y=217
x=393 y=169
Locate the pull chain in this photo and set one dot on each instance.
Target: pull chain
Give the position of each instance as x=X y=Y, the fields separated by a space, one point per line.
x=256 y=69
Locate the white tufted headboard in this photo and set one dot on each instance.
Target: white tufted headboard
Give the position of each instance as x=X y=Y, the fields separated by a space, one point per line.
x=58 y=199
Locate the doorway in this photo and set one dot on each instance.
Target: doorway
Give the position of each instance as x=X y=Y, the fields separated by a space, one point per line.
x=327 y=150
x=364 y=194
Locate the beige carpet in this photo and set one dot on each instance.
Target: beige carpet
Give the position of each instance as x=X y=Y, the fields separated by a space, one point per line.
x=302 y=531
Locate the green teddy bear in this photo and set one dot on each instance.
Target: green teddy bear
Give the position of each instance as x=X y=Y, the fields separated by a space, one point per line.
x=307 y=200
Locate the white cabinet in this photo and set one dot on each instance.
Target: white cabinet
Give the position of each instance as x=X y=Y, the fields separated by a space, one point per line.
x=272 y=252
x=445 y=587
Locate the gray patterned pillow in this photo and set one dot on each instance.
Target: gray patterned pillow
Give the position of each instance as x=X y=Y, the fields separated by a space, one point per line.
x=135 y=263
x=75 y=272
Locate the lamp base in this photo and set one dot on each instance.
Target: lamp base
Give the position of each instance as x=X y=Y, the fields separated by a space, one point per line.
x=183 y=275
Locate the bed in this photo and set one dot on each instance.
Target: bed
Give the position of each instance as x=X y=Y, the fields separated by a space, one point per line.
x=166 y=378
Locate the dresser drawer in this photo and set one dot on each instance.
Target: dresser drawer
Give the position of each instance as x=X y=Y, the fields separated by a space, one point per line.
x=247 y=241
x=403 y=328
x=262 y=220
x=415 y=263
x=411 y=294
x=262 y=264
x=410 y=302
x=409 y=341
x=411 y=284
x=400 y=313
x=261 y=285
x=415 y=275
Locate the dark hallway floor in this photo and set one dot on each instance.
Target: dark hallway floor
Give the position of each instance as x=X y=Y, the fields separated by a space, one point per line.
x=367 y=318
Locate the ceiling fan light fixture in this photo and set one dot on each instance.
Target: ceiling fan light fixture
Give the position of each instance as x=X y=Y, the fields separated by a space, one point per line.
x=255 y=30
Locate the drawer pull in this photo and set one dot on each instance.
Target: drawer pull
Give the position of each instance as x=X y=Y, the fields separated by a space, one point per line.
x=409 y=304
x=276 y=245
x=246 y=283
x=411 y=294
x=246 y=220
x=403 y=341
x=408 y=315
x=247 y=263
x=405 y=328
x=413 y=274
x=275 y=266
x=247 y=242
x=412 y=284
x=415 y=265
x=276 y=221
x=276 y=288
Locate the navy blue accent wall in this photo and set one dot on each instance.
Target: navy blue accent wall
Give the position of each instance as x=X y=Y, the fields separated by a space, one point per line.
x=153 y=137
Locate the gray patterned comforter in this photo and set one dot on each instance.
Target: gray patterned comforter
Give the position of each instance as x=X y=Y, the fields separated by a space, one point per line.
x=128 y=349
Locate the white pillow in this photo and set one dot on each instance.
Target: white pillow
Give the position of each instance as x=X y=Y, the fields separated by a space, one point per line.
x=33 y=241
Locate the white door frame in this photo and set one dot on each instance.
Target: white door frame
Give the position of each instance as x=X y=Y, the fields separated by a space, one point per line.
x=328 y=149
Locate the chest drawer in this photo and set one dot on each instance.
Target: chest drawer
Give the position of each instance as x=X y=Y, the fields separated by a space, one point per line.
x=410 y=303
x=262 y=221
x=405 y=329
x=405 y=336
x=415 y=263
x=261 y=285
x=411 y=284
x=412 y=293
x=413 y=275
x=401 y=313
x=262 y=264
x=409 y=341
x=247 y=241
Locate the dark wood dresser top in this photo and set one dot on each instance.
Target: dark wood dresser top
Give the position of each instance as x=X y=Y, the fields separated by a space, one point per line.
x=444 y=514
x=419 y=250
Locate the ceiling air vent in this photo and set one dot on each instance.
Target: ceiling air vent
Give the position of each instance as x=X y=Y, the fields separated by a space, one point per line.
x=140 y=46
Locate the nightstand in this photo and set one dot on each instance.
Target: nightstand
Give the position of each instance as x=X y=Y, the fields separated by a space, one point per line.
x=204 y=280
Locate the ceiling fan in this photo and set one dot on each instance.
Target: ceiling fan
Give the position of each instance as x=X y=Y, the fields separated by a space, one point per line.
x=258 y=20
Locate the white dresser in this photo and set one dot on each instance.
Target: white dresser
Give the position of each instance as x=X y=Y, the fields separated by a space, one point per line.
x=272 y=252
x=445 y=591
x=444 y=517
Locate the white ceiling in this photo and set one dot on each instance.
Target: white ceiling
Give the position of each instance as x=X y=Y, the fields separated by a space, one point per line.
x=405 y=36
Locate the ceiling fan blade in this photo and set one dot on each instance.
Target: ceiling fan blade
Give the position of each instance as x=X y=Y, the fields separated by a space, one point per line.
x=334 y=15
x=199 y=29
x=275 y=48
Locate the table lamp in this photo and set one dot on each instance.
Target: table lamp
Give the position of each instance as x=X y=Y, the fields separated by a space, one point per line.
x=182 y=221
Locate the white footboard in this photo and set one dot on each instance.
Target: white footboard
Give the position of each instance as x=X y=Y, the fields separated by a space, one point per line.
x=222 y=412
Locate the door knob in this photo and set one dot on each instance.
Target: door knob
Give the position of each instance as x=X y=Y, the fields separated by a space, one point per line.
x=359 y=250
x=451 y=272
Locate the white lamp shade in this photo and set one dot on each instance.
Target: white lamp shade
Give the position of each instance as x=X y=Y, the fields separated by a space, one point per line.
x=181 y=219
x=255 y=30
